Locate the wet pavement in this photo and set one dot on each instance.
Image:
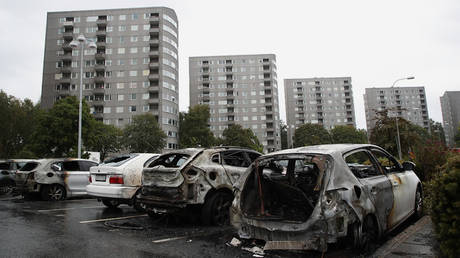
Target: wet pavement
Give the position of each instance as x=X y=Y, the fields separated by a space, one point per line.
x=86 y=228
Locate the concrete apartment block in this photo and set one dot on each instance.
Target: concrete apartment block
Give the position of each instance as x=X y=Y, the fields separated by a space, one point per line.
x=239 y=89
x=133 y=70
x=450 y=107
x=405 y=102
x=327 y=101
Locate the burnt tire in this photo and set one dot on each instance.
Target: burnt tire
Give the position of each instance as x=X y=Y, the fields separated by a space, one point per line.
x=369 y=235
x=216 y=209
x=7 y=187
x=111 y=203
x=137 y=205
x=418 y=206
x=53 y=193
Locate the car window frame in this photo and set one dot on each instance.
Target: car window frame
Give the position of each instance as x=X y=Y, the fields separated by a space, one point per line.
x=375 y=164
x=390 y=157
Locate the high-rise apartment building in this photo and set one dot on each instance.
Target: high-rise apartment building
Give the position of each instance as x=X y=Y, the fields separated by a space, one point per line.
x=450 y=107
x=405 y=102
x=325 y=101
x=240 y=89
x=133 y=70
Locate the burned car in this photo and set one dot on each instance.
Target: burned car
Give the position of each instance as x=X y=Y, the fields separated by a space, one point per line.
x=8 y=169
x=54 y=179
x=195 y=177
x=309 y=197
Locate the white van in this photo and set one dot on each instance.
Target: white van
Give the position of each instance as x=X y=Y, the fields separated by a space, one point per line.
x=117 y=180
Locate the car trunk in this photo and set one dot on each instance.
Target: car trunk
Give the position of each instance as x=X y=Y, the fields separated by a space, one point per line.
x=282 y=188
x=163 y=178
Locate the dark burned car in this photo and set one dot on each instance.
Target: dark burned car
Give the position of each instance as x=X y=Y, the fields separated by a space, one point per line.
x=202 y=178
x=309 y=197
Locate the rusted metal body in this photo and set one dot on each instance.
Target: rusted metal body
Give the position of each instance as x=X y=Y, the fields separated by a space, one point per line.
x=196 y=174
x=53 y=172
x=302 y=215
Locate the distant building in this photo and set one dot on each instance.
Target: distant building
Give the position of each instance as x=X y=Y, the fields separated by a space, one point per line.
x=325 y=101
x=450 y=106
x=134 y=69
x=405 y=102
x=239 y=89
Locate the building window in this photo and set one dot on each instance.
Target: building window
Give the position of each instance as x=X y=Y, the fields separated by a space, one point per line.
x=119 y=109
x=134 y=27
x=122 y=17
x=132 y=109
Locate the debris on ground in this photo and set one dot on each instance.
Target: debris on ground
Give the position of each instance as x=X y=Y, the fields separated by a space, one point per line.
x=235 y=242
x=124 y=225
x=255 y=250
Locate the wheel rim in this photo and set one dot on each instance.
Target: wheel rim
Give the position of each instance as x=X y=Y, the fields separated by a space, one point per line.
x=6 y=189
x=221 y=210
x=55 y=193
x=418 y=202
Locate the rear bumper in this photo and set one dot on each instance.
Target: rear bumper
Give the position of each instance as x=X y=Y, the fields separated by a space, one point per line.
x=111 y=191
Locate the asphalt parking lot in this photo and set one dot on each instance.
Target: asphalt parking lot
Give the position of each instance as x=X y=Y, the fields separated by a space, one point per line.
x=86 y=228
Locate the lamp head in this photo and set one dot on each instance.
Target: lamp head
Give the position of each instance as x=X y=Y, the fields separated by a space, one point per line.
x=81 y=38
x=92 y=45
x=74 y=44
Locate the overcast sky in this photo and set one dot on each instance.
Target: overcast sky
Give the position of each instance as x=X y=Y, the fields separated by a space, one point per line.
x=374 y=42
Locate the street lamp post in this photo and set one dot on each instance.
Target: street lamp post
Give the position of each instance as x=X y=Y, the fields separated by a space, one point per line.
x=81 y=41
x=398 y=138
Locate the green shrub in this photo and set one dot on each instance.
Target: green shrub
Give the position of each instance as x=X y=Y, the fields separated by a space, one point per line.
x=429 y=158
x=445 y=206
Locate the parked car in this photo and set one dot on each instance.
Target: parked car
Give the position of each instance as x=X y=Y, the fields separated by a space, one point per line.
x=7 y=170
x=195 y=177
x=309 y=197
x=54 y=179
x=118 y=180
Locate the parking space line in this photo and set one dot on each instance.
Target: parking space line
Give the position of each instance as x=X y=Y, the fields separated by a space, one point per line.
x=74 y=208
x=109 y=219
x=168 y=239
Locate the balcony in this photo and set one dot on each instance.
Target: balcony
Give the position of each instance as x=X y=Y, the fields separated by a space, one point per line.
x=154 y=42
x=154 y=53
x=66 y=57
x=98 y=115
x=99 y=56
x=154 y=65
x=153 y=101
x=67 y=35
x=154 y=89
x=65 y=69
x=99 y=67
x=64 y=80
x=154 y=76
x=101 y=32
x=101 y=22
x=66 y=46
x=100 y=90
x=99 y=79
x=68 y=24
x=154 y=31
x=154 y=19
x=100 y=45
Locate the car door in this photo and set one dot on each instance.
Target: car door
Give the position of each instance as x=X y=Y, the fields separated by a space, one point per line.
x=403 y=191
x=77 y=175
x=375 y=183
x=235 y=163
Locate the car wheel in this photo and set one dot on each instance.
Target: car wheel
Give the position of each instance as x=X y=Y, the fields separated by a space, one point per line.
x=369 y=234
x=53 y=193
x=111 y=203
x=418 y=208
x=216 y=210
x=137 y=205
x=7 y=187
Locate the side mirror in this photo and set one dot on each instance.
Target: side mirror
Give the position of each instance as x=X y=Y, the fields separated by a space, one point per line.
x=55 y=167
x=408 y=165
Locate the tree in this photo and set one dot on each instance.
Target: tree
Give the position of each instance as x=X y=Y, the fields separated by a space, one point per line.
x=236 y=135
x=284 y=136
x=193 y=128
x=104 y=139
x=311 y=134
x=457 y=138
x=384 y=134
x=144 y=135
x=56 y=134
x=348 y=134
x=17 y=124
x=437 y=132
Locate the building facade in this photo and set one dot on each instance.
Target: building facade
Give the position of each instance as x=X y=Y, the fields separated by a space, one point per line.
x=450 y=107
x=240 y=89
x=405 y=102
x=325 y=101
x=133 y=70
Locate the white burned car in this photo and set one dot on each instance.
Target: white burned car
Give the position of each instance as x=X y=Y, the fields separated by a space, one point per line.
x=118 y=179
x=54 y=179
x=309 y=197
x=195 y=178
